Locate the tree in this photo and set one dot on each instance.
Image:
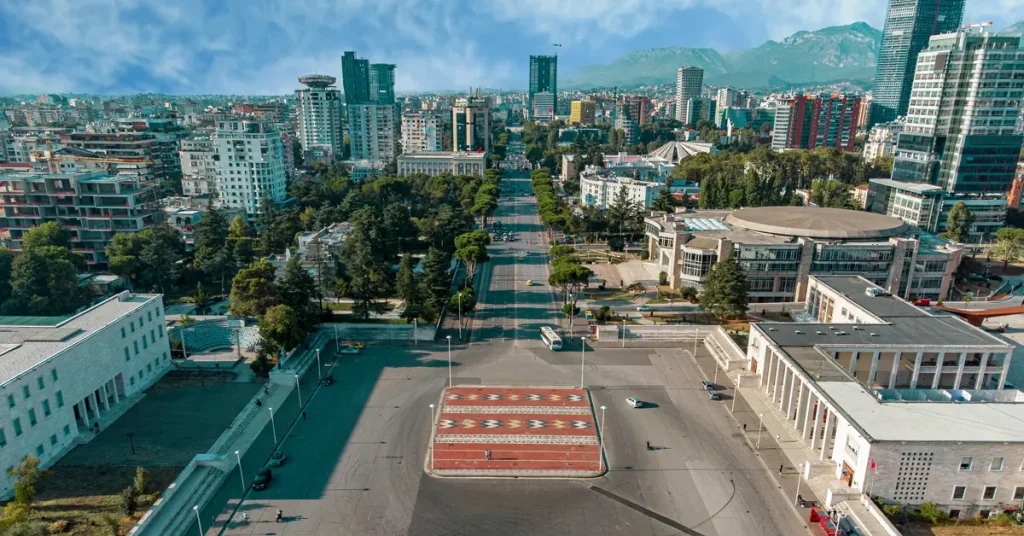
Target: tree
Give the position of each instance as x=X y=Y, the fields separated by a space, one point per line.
x=663 y=202
x=560 y=251
x=409 y=290
x=569 y=277
x=298 y=290
x=471 y=256
x=45 y=283
x=200 y=300
x=6 y=261
x=280 y=324
x=831 y=193
x=368 y=263
x=128 y=501
x=26 y=474
x=141 y=481
x=253 y=290
x=725 y=291
x=1009 y=245
x=624 y=214
x=958 y=222
x=436 y=281
x=462 y=301
x=47 y=234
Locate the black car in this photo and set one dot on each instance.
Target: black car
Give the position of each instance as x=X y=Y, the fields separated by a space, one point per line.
x=328 y=379
x=262 y=480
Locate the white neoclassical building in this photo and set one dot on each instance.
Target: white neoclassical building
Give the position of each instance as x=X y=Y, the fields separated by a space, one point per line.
x=894 y=401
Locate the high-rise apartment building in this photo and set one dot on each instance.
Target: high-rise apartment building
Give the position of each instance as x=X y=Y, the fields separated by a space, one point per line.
x=689 y=81
x=421 y=132
x=807 y=122
x=198 y=169
x=382 y=83
x=543 y=78
x=372 y=132
x=355 y=78
x=582 y=112
x=249 y=164
x=156 y=157
x=638 y=107
x=908 y=26
x=318 y=116
x=471 y=125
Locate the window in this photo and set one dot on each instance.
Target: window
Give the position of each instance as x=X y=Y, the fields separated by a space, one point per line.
x=39 y=450
x=161 y=333
x=149 y=315
x=152 y=336
x=1018 y=492
x=989 y=493
x=123 y=335
x=966 y=462
x=46 y=408
x=131 y=380
x=67 y=430
x=135 y=344
x=954 y=514
x=959 y=492
x=149 y=368
x=40 y=383
x=17 y=426
x=3 y=438
x=140 y=374
x=53 y=374
x=997 y=464
x=26 y=392
x=127 y=356
x=10 y=401
x=141 y=322
x=60 y=399
x=32 y=417
x=145 y=345
x=53 y=440
x=133 y=326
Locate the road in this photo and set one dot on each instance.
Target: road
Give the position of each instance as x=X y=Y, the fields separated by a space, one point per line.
x=356 y=466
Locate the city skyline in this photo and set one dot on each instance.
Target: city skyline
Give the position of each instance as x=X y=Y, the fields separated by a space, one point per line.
x=197 y=47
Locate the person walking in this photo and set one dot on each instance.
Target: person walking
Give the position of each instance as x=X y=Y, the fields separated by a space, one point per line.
x=744 y=427
x=279 y=517
x=303 y=415
x=780 y=468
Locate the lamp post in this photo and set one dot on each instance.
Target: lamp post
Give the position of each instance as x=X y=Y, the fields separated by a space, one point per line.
x=715 y=381
x=583 y=358
x=195 y=508
x=337 y=345
x=299 y=388
x=760 y=424
x=600 y=454
x=623 y=332
x=449 y=337
x=240 y=473
x=460 y=315
x=273 y=426
x=431 y=443
x=799 y=477
x=319 y=374
x=736 y=393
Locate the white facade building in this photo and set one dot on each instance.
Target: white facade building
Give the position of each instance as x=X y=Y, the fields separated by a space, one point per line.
x=436 y=163
x=882 y=141
x=318 y=116
x=599 y=187
x=64 y=380
x=372 y=131
x=421 y=132
x=198 y=172
x=689 y=81
x=249 y=164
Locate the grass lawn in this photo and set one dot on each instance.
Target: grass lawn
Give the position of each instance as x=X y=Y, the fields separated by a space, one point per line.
x=963 y=529
x=338 y=306
x=348 y=317
x=609 y=295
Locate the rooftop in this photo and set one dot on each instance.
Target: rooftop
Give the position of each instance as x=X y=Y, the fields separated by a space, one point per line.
x=817 y=222
x=674 y=151
x=916 y=187
x=433 y=155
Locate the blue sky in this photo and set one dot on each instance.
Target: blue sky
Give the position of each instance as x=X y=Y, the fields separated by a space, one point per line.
x=261 y=46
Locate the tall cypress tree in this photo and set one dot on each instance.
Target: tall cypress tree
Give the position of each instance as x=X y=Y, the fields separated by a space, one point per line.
x=725 y=291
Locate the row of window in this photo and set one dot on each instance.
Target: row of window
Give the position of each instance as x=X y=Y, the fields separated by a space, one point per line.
x=33 y=418
x=967 y=463
x=988 y=493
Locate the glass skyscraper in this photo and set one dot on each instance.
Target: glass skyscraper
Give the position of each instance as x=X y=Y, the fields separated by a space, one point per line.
x=355 y=78
x=908 y=25
x=543 y=78
x=382 y=83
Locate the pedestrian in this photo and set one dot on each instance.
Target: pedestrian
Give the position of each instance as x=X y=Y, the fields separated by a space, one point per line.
x=303 y=415
x=780 y=468
x=245 y=516
x=778 y=439
x=279 y=516
x=648 y=445
x=744 y=427
x=259 y=404
x=266 y=390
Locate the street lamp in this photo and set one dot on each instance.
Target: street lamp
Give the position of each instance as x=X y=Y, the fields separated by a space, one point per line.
x=431 y=443
x=583 y=358
x=736 y=393
x=195 y=508
x=240 y=474
x=600 y=456
x=319 y=374
x=272 y=425
x=337 y=345
x=623 y=332
x=715 y=381
x=460 y=315
x=449 y=337
x=299 y=387
x=799 y=476
x=760 y=424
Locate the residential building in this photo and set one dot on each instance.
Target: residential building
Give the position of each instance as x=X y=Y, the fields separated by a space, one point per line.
x=736 y=118
x=21 y=149
x=182 y=214
x=421 y=132
x=581 y=112
x=436 y=163
x=91 y=205
x=198 y=169
x=160 y=155
x=881 y=141
x=908 y=26
x=807 y=122
x=637 y=107
x=630 y=129
x=66 y=378
x=355 y=78
x=780 y=247
x=599 y=188
x=318 y=117
x=382 y=83
x=728 y=97
x=698 y=110
x=890 y=400
x=271 y=112
x=689 y=81
x=471 y=124
x=371 y=131
x=543 y=79
x=249 y=165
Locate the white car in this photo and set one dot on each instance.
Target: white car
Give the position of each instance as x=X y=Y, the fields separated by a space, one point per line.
x=644 y=308
x=634 y=402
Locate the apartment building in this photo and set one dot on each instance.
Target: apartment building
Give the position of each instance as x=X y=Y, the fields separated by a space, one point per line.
x=249 y=165
x=471 y=124
x=372 y=131
x=318 y=116
x=198 y=168
x=421 y=132
x=809 y=121
x=599 y=187
x=158 y=153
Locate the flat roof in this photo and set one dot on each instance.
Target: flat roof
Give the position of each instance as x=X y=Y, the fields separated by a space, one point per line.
x=442 y=154
x=974 y=422
x=27 y=346
x=817 y=222
x=916 y=187
x=883 y=306
x=931 y=331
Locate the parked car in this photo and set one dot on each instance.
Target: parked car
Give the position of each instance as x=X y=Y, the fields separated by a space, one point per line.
x=327 y=380
x=713 y=394
x=922 y=302
x=350 y=350
x=530 y=283
x=995 y=327
x=644 y=308
x=262 y=479
x=707 y=386
x=634 y=402
x=276 y=459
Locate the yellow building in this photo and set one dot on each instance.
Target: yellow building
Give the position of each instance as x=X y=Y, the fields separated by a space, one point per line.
x=582 y=113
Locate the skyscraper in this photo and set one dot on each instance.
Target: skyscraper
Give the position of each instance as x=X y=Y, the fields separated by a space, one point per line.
x=318 y=114
x=382 y=83
x=908 y=25
x=355 y=78
x=370 y=103
x=543 y=78
x=471 y=125
x=689 y=81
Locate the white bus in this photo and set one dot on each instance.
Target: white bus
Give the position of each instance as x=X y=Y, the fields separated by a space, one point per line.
x=551 y=339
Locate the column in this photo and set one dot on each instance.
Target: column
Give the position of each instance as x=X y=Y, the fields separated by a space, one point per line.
x=83 y=412
x=938 y=369
x=787 y=389
x=917 y=370
x=778 y=379
x=117 y=396
x=799 y=400
x=766 y=375
x=960 y=370
x=1006 y=370
x=853 y=361
x=96 y=400
x=806 y=425
x=826 y=439
x=873 y=371
x=981 y=371
x=817 y=421
x=896 y=358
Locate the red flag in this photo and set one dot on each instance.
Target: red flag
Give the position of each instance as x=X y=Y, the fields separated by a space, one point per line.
x=873 y=467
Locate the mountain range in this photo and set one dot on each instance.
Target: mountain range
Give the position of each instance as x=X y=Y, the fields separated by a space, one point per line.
x=829 y=55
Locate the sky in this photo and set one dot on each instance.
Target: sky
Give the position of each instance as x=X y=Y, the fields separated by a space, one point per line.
x=262 y=46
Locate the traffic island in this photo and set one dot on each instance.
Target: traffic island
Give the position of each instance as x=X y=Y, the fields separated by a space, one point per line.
x=514 y=432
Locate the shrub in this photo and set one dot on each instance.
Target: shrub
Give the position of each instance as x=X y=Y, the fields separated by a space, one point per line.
x=893 y=511
x=128 y=501
x=930 y=513
x=644 y=255
x=662 y=279
x=568 y=307
x=604 y=314
x=141 y=481
x=688 y=293
x=59 y=527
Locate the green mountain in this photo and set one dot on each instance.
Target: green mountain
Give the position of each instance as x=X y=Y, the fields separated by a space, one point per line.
x=831 y=54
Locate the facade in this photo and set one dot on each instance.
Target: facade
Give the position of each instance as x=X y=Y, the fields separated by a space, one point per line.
x=893 y=401
x=91 y=206
x=882 y=140
x=675 y=151
x=599 y=188
x=471 y=124
x=698 y=110
x=582 y=112
x=736 y=118
x=781 y=247
x=642 y=167
x=916 y=204
x=908 y=26
x=249 y=165
x=318 y=117
x=65 y=377
x=543 y=108
x=159 y=154
x=637 y=107
x=355 y=78
x=689 y=81
x=372 y=131
x=807 y=122
x=198 y=170
x=421 y=132
x=543 y=78
x=436 y=163
x=382 y=83
x=1017 y=190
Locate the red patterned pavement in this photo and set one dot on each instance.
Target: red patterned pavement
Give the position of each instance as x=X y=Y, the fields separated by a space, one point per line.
x=529 y=431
